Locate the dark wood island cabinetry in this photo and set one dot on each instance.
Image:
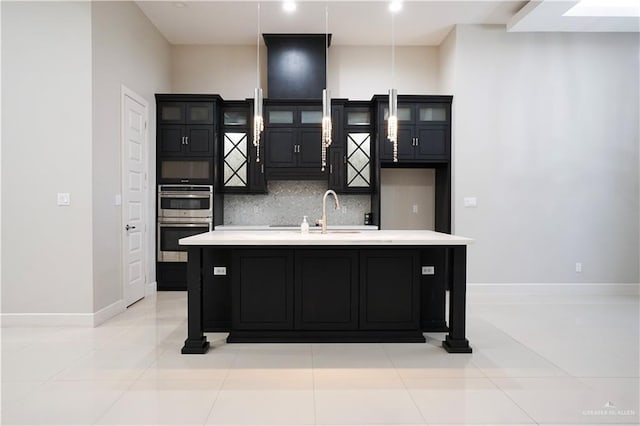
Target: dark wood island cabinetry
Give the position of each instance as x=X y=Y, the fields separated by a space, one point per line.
x=337 y=287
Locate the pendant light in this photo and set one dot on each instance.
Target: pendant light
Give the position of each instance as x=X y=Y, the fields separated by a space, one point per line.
x=392 y=120
x=258 y=121
x=326 y=97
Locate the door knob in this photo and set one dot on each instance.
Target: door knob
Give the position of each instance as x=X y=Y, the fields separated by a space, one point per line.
x=129 y=227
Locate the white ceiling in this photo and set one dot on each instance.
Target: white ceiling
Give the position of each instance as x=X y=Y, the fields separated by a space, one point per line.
x=425 y=22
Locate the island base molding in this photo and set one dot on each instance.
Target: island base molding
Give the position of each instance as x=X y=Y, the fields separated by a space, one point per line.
x=385 y=336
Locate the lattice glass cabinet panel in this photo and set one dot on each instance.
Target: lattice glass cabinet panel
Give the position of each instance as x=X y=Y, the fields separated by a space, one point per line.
x=358 y=160
x=235 y=170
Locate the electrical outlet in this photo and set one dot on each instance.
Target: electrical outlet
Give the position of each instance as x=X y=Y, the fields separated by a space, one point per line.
x=415 y=208
x=578 y=267
x=118 y=200
x=219 y=270
x=64 y=199
x=428 y=270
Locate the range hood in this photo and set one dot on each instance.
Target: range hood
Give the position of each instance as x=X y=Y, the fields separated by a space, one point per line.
x=296 y=65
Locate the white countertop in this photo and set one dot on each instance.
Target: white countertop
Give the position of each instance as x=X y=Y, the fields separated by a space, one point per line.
x=336 y=237
x=291 y=227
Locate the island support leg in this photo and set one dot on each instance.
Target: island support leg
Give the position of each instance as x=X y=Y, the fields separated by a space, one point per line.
x=456 y=342
x=196 y=342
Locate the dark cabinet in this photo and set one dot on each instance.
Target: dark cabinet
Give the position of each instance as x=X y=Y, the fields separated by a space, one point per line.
x=185 y=128
x=326 y=290
x=327 y=293
x=293 y=141
x=294 y=148
x=351 y=167
x=241 y=172
x=423 y=131
x=185 y=141
x=389 y=290
x=216 y=291
x=262 y=289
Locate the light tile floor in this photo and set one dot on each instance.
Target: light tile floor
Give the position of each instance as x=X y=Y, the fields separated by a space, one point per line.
x=536 y=360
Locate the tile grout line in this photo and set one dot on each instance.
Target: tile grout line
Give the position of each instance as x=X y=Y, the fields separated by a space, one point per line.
x=415 y=404
x=133 y=382
x=226 y=376
x=532 y=350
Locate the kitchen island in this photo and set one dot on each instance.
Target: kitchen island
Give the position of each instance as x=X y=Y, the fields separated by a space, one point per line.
x=343 y=286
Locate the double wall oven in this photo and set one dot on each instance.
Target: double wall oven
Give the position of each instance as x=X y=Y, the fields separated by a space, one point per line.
x=183 y=210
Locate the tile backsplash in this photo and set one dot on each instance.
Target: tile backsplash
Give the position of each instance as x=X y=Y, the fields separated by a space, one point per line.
x=288 y=201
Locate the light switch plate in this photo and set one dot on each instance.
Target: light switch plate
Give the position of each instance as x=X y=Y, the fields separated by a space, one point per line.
x=118 y=200
x=428 y=270
x=470 y=201
x=64 y=199
x=219 y=270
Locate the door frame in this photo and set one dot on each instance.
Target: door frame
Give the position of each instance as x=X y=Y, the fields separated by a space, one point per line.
x=124 y=93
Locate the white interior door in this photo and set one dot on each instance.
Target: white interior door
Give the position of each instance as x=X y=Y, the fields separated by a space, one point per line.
x=134 y=184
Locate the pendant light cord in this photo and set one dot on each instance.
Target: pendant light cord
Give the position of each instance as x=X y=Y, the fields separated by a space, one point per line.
x=326 y=36
x=258 y=50
x=393 y=50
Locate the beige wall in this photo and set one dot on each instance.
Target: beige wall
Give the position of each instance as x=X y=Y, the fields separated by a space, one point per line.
x=355 y=72
x=63 y=65
x=137 y=56
x=46 y=144
x=407 y=198
x=546 y=138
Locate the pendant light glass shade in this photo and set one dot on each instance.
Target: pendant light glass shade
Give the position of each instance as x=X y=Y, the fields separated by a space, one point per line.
x=258 y=121
x=326 y=97
x=326 y=125
x=392 y=122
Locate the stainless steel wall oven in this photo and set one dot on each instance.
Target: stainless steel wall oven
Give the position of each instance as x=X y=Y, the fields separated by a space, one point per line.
x=183 y=211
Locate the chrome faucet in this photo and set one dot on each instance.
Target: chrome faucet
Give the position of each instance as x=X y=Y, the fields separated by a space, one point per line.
x=323 y=220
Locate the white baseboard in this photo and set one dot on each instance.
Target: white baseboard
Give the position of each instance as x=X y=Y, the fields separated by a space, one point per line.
x=583 y=289
x=108 y=312
x=47 y=320
x=62 y=319
x=151 y=288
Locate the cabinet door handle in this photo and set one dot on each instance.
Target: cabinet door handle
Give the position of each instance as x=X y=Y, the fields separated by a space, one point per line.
x=331 y=168
x=417 y=141
x=262 y=168
x=186 y=140
x=182 y=140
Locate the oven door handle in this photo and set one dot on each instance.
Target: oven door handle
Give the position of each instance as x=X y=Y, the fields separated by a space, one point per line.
x=183 y=195
x=183 y=225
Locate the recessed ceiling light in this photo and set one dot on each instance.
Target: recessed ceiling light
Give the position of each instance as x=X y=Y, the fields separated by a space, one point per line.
x=611 y=8
x=395 y=6
x=179 y=4
x=289 y=6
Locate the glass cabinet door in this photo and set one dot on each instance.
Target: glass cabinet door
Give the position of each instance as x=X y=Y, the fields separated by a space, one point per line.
x=235 y=118
x=358 y=160
x=432 y=113
x=280 y=116
x=235 y=168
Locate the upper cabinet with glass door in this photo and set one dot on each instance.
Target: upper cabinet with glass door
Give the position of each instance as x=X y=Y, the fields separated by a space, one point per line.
x=186 y=112
x=424 y=129
x=358 y=134
x=241 y=172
